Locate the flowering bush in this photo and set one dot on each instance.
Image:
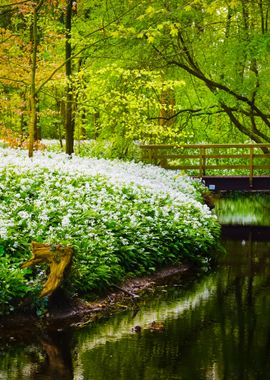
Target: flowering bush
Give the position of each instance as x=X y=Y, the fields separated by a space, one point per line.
x=121 y=219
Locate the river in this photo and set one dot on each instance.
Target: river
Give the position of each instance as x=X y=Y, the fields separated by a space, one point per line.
x=214 y=326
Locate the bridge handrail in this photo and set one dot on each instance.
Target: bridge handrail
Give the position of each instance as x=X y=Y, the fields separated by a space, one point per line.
x=158 y=146
x=155 y=153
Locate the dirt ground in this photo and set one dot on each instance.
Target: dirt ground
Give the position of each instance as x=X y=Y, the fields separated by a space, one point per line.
x=64 y=313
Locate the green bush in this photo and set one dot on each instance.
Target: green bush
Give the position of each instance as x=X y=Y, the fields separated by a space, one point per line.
x=117 y=148
x=122 y=219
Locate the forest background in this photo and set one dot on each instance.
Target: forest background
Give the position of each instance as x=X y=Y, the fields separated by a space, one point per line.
x=118 y=72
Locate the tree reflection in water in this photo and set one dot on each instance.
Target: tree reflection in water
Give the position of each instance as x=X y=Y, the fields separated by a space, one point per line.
x=215 y=327
x=37 y=357
x=58 y=362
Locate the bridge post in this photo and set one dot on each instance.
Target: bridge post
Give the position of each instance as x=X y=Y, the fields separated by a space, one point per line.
x=251 y=166
x=202 y=162
x=204 y=158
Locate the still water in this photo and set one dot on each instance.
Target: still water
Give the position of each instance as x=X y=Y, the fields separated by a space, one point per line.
x=215 y=326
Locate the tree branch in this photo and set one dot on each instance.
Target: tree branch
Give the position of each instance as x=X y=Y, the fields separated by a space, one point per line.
x=254 y=136
x=198 y=112
x=13 y=80
x=64 y=63
x=203 y=111
x=15 y=4
x=215 y=86
x=85 y=47
x=211 y=84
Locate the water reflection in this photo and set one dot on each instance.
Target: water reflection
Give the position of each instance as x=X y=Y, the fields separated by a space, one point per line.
x=218 y=329
x=36 y=357
x=215 y=327
x=244 y=209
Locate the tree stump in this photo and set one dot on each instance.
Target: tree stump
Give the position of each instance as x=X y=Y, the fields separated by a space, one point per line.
x=57 y=256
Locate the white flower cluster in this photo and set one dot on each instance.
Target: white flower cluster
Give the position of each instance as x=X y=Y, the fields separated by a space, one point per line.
x=107 y=210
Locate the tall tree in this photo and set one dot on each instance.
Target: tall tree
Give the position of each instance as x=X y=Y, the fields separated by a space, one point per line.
x=69 y=119
x=221 y=45
x=33 y=93
x=31 y=58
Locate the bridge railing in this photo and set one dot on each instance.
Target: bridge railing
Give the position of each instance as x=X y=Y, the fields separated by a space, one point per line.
x=207 y=159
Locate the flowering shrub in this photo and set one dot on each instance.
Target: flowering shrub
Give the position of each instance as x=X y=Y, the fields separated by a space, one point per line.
x=14 y=139
x=120 y=218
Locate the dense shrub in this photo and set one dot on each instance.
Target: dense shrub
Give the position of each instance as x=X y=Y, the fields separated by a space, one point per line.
x=121 y=218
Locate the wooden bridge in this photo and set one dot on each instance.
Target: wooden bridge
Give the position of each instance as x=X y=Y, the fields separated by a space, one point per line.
x=220 y=166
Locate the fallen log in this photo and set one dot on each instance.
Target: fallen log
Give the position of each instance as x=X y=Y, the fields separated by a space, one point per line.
x=57 y=256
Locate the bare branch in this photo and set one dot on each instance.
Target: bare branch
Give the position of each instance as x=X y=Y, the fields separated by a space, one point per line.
x=215 y=86
x=63 y=64
x=204 y=111
x=85 y=47
x=248 y=132
x=12 y=80
x=15 y=4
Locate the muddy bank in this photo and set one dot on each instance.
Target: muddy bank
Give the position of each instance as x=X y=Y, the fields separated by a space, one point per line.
x=63 y=313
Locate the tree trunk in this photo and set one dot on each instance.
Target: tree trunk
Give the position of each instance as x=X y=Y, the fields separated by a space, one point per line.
x=33 y=99
x=69 y=119
x=57 y=256
x=33 y=92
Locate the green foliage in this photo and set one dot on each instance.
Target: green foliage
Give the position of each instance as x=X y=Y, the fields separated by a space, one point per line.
x=228 y=61
x=152 y=72
x=243 y=209
x=16 y=48
x=121 y=219
x=14 y=287
x=110 y=149
x=118 y=103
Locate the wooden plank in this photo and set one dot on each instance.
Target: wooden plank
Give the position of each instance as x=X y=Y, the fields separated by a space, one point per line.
x=236 y=232
x=173 y=156
x=219 y=183
x=262 y=155
x=196 y=156
x=206 y=156
x=166 y=146
x=182 y=167
x=251 y=167
x=213 y=167
x=199 y=155
x=261 y=167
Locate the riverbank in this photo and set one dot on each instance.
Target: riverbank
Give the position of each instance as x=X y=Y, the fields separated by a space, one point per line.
x=64 y=312
x=120 y=220
x=197 y=318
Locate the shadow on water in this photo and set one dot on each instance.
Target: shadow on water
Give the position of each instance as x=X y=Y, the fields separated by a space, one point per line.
x=214 y=327
x=36 y=356
x=218 y=328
